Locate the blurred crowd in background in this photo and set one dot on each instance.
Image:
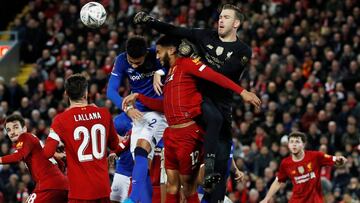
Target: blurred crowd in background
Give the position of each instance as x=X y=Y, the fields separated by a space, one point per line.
x=305 y=67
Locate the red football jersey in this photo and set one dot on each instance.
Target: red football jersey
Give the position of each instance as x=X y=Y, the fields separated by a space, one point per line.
x=86 y=133
x=305 y=175
x=181 y=97
x=44 y=171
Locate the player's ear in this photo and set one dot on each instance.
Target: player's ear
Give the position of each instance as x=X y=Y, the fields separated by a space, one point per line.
x=24 y=128
x=237 y=24
x=172 y=50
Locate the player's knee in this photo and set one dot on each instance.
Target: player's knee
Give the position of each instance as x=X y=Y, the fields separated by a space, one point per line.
x=144 y=144
x=172 y=187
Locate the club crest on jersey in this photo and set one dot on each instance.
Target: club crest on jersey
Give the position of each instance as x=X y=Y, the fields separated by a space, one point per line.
x=301 y=169
x=219 y=50
x=244 y=60
x=19 y=145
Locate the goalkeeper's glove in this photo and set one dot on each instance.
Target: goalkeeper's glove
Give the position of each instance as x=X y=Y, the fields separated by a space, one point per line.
x=142 y=17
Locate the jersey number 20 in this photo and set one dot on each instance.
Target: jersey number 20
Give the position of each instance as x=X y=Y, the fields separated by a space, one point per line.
x=96 y=130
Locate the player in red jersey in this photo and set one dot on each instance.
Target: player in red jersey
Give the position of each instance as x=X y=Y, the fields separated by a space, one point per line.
x=87 y=131
x=183 y=139
x=51 y=184
x=303 y=168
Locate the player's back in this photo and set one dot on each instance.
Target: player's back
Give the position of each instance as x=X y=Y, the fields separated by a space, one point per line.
x=86 y=133
x=38 y=164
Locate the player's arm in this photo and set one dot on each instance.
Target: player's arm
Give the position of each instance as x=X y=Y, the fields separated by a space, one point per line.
x=114 y=144
x=166 y=28
x=51 y=144
x=205 y=72
x=22 y=151
x=278 y=182
x=275 y=186
x=151 y=103
x=329 y=160
x=116 y=77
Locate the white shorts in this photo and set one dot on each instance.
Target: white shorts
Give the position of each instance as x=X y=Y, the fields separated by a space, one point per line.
x=151 y=128
x=120 y=188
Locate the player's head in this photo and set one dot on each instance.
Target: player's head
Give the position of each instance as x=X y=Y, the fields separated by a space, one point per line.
x=136 y=51
x=229 y=20
x=297 y=141
x=76 y=88
x=166 y=50
x=15 y=126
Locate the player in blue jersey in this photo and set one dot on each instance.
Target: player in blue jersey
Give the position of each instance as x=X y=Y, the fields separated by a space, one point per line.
x=139 y=64
x=124 y=164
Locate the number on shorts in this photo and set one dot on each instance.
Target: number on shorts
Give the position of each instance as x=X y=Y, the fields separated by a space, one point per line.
x=194 y=157
x=31 y=198
x=153 y=121
x=95 y=130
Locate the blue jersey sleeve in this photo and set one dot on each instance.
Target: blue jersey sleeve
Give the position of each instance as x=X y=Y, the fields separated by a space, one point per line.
x=115 y=81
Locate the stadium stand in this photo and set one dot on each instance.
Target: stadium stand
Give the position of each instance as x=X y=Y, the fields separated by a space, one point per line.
x=305 y=66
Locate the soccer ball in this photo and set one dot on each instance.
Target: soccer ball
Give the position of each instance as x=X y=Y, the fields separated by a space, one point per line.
x=93 y=14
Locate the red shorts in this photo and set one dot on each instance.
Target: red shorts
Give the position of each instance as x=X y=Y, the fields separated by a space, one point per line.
x=56 y=196
x=101 y=200
x=183 y=149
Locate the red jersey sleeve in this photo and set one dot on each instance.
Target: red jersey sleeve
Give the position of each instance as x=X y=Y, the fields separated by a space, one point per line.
x=202 y=71
x=151 y=103
x=23 y=149
x=325 y=159
x=53 y=139
x=282 y=176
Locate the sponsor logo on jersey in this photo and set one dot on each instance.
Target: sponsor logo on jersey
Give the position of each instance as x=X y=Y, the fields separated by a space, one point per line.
x=141 y=76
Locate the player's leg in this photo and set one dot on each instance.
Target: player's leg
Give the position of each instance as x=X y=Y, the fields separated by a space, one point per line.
x=213 y=120
x=190 y=158
x=172 y=186
x=146 y=135
x=221 y=164
x=163 y=177
x=171 y=166
x=119 y=188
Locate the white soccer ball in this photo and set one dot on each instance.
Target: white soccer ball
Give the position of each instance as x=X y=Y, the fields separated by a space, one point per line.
x=93 y=14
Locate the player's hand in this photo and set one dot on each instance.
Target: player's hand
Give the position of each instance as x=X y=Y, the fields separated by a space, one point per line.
x=157 y=84
x=129 y=100
x=134 y=114
x=239 y=175
x=340 y=160
x=60 y=155
x=111 y=158
x=251 y=98
x=264 y=201
x=142 y=17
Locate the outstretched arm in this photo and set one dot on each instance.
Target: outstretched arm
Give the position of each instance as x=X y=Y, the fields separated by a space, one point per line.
x=21 y=153
x=165 y=28
x=205 y=72
x=151 y=103
x=275 y=186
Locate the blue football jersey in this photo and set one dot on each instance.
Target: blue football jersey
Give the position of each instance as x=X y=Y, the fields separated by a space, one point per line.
x=140 y=78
